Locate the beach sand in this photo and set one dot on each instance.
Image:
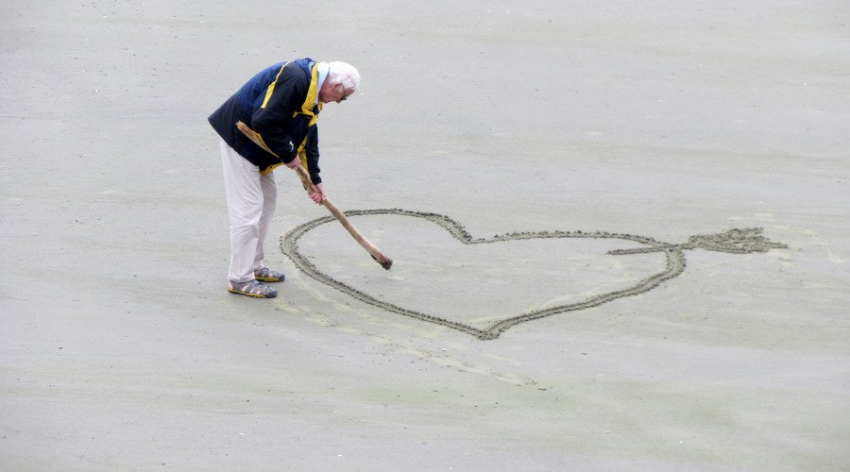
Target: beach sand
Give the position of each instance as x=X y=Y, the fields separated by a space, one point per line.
x=121 y=349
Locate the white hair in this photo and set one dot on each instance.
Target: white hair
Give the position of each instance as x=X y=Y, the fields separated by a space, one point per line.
x=343 y=73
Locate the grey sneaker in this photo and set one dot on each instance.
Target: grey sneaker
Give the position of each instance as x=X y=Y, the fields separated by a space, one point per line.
x=251 y=288
x=267 y=275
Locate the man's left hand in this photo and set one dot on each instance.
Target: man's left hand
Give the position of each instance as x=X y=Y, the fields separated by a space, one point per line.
x=319 y=196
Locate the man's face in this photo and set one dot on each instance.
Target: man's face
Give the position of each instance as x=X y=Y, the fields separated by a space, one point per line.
x=333 y=92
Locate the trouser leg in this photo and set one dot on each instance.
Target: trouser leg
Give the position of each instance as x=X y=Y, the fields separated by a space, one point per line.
x=245 y=201
x=269 y=187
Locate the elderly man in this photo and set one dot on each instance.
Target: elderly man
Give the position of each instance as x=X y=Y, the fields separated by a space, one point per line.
x=281 y=104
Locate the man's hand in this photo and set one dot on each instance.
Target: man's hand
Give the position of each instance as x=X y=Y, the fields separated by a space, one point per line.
x=319 y=196
x=294 y=163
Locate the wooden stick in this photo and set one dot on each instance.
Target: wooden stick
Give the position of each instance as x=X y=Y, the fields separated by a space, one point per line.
x=373 y=251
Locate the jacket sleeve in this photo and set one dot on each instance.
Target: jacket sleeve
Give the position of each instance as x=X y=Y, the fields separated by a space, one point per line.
x=311 y=154
x=272 y=114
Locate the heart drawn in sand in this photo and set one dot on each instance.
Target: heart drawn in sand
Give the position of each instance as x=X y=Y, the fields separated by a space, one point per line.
x=736 y=241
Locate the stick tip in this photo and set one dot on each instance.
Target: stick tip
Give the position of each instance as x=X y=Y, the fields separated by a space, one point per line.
x=385 y=261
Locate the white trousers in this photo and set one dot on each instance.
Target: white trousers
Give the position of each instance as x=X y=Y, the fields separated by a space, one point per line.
x=251 y=201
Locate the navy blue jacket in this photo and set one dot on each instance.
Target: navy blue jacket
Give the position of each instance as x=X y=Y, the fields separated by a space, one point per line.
x=279 y=103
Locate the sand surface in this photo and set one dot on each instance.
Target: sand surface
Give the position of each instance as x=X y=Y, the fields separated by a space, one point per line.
x=120 y=348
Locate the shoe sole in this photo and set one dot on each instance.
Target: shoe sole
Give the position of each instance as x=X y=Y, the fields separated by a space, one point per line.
x=252 y=295
x=269 y=279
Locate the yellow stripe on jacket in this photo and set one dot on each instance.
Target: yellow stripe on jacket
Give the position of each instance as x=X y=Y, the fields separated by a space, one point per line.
x=270 y=89
x=306 y=109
